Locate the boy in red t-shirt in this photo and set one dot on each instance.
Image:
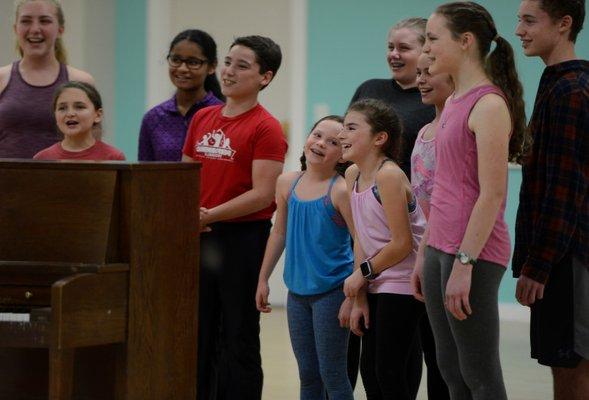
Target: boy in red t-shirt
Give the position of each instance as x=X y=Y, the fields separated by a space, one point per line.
x=242 y=148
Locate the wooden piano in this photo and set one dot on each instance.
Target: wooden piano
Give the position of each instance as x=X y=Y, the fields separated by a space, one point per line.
x=98 y=280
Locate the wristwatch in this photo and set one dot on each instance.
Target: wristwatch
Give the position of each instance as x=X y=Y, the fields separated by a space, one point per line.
x=465 y=258
x=366 y=269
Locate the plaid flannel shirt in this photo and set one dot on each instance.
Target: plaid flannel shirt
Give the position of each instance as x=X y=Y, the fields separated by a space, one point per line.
x=553 y=214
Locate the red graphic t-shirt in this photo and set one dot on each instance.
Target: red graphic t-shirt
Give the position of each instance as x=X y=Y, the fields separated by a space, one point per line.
x=227 y=147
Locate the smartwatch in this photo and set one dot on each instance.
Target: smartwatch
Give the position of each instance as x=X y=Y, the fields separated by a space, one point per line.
x=366 y=269
x=465 y=258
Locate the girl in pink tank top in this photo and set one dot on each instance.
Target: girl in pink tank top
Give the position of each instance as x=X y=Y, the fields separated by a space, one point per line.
x=467 y=238
x=388 y=227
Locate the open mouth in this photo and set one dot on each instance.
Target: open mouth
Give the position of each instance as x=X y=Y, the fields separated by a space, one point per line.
x=317 y=152
x=228 y=82
x=71 y=123
x=35 y=40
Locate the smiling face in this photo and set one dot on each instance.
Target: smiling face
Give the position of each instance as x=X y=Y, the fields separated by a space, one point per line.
x=356 y=137
x=441 y=47
x=434 y=89
x=37 y=28
x=183 y=77
x=323 y=146
x=404 y=47
x=240 y=73
x=538 y=32
x=75 y=114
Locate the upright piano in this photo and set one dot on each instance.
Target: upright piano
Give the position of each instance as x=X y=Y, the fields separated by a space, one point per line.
x=98 y=280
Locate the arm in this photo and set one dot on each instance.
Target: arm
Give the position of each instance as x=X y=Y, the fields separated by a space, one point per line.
x=145 y=152
x=491 y=123
x=340 y=198
x=393 y=186
x=417 y=276
x=360 y=310
x=4 y=76
x=276 y=240
x=260 y=196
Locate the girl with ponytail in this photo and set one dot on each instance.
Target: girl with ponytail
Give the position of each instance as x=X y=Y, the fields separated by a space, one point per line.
x=192 y=61
x=27 y=123
x=466 y=247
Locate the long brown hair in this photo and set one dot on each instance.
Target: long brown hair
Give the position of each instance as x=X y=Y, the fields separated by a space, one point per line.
x=468 y=16
x=60 y=52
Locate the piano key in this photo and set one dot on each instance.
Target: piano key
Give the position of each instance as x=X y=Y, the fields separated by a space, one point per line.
x=15 y=317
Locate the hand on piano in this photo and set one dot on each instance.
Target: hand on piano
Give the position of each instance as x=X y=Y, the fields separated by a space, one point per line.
x=203 y=220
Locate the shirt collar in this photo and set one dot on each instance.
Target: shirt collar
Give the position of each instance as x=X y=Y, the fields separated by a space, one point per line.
x=171 y=107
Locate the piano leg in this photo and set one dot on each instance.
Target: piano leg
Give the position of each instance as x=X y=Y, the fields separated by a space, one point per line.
x=61 y=374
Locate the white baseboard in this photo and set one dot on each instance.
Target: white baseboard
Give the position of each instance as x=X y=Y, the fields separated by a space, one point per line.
x=514 y=312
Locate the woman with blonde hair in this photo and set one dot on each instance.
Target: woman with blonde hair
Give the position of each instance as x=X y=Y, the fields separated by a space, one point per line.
x=27 y=123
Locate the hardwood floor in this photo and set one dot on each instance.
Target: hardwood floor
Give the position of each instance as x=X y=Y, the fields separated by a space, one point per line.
x=524 y=378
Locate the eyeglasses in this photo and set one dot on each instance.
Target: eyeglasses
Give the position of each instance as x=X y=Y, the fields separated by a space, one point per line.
x=191 y=63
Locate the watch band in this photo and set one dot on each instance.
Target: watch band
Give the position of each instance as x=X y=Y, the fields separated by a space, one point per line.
x=465 y=258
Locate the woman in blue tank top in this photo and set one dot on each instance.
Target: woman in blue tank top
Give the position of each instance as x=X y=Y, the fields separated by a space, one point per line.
x=312 y=219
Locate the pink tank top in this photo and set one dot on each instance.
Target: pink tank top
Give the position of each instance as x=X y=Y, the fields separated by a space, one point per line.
x=374 y=233
x=456 y=185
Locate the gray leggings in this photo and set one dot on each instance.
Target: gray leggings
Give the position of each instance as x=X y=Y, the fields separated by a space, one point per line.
x=467 y=351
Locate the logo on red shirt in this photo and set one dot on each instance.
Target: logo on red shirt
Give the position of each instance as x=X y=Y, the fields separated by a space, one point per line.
x=215 y=145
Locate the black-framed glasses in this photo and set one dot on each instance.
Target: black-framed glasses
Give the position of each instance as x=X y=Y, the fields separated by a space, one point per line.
x=191 y=63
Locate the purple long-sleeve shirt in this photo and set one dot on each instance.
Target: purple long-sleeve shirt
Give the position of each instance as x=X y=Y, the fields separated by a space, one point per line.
x=163 y=129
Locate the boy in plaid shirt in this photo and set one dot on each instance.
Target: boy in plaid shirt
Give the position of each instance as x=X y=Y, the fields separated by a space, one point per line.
x=551 y=256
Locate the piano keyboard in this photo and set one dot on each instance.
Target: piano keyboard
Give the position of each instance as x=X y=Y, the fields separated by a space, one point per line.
x=14 y=317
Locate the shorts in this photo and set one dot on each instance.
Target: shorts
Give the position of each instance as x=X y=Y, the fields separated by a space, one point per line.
x=559 y=329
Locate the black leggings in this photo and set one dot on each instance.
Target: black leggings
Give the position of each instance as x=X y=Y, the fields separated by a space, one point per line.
x=390 y=347
x=229 y=361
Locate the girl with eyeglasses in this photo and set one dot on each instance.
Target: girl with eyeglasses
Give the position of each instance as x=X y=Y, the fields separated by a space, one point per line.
x=28 y=84
x=192 y=61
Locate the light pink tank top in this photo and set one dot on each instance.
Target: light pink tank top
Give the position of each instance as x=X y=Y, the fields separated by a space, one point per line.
x=373 y=234
x=456 y=185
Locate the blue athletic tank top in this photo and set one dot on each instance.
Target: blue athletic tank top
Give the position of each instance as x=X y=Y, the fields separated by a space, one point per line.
x=318 y=246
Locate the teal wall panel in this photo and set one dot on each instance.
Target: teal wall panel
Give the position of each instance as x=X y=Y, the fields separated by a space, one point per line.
x=130 y=76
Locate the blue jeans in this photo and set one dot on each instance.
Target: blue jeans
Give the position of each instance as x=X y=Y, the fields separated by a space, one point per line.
x=320 y=345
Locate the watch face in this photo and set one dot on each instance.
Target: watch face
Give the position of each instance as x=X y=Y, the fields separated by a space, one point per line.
x=365 y=269
x=463 y=258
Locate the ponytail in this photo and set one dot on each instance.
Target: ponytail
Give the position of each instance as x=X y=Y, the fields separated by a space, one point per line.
x=60 y=52
x=500 y=67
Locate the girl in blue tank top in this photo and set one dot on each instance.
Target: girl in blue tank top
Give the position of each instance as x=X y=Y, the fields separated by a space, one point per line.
x=312 y=220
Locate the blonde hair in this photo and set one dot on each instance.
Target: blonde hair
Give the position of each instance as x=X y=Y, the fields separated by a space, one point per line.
x=60 y=52
x=416 y=24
